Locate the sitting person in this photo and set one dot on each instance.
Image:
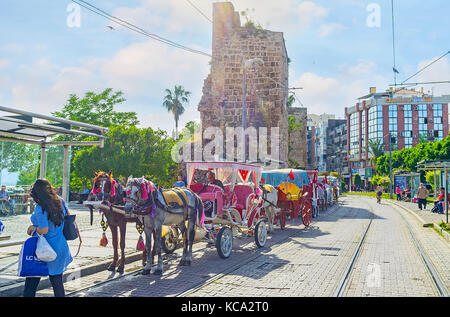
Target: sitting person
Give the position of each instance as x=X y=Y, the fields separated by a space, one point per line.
x=4 y=196
x=84 y=194
x=441 y=200
x=180 y=182
x=213 y=181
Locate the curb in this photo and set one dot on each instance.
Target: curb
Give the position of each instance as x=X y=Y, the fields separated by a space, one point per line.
x=444 y=233
x=16 y=289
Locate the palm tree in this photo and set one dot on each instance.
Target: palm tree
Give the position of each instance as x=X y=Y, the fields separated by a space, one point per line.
x=174 y=101
x=376 y=149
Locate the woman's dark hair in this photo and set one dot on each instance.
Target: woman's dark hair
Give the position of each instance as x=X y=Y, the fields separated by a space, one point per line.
x=45 y=196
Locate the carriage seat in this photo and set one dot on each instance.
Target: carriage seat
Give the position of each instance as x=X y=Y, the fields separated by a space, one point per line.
x=242 y=193
x=229 y=198
x=210 y=193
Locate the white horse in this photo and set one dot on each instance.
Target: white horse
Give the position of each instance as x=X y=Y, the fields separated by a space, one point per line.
x=270 y=197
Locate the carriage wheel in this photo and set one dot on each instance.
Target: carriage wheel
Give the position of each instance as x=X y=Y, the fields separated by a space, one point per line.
x=170 y=241
x=307 y=213
x=224 y=243
x=261 y=234
x=283 y=220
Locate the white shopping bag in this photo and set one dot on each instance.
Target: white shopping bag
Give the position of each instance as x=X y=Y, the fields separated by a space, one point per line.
x=44 y=251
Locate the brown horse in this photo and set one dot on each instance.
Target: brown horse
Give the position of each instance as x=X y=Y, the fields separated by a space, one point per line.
x=110 y=192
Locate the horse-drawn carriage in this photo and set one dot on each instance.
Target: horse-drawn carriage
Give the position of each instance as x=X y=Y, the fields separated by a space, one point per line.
x=296 y=193
x=235 y=205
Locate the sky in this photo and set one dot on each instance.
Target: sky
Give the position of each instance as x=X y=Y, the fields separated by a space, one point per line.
x=338 y=49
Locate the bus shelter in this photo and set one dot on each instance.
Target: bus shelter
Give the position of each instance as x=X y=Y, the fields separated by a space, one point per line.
x=33 y=128
x=442 y=167
x=407 y=180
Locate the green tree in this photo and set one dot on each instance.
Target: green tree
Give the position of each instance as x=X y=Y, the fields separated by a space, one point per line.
x=290 y=101
x=98 y=109
x=376 y=148
x=357 y=181
x=173 y=102
x=130 y=151
x=16 y=157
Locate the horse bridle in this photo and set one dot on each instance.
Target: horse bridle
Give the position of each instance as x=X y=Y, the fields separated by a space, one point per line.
x=136 y=205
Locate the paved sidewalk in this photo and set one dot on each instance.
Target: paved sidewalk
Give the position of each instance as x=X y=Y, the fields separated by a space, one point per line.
x=91 y=258
x=427 y=216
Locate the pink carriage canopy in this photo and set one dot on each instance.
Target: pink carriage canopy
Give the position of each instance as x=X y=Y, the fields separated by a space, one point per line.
x=229 y=173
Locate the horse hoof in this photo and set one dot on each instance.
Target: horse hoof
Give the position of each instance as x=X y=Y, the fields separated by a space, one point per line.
x=120 y=269
x=146 y=272
x=188 y=263
x=182 y=263
x=157 y=272
x=112 y=268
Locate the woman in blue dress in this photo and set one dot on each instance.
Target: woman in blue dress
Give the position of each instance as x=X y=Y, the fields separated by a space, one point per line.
x=48 y=219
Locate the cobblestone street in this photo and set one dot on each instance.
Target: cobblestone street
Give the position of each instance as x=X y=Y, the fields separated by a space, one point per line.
x=301 y=261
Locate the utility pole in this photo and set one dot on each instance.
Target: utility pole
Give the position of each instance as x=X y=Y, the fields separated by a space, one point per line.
x=390 y=164
x=1 y=167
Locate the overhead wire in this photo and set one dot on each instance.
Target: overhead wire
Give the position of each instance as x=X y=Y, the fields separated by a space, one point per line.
x=433 y=62
x=199 y=11
x=135 y=28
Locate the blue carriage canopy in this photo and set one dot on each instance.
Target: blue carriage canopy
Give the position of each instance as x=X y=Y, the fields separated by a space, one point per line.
x=277 y=177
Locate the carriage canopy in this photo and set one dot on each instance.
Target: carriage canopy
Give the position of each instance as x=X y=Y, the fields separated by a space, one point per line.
x=278 y=177
x=227 y=172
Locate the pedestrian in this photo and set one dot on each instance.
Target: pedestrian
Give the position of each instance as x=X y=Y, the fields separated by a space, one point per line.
x=422 y=195
x=180 y=182
x=399 y=193
x=48 y=220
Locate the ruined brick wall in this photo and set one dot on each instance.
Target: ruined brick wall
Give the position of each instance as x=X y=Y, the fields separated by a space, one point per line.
x=298 y=137
x=222 y=101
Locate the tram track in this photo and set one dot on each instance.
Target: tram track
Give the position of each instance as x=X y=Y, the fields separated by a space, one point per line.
x=434 y=277
x=173 y=261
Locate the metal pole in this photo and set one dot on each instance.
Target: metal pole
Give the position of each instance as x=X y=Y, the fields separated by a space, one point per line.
x=446 y=192
x=390 y=166
x=435 y=184
x=42 y=171
x=244 y=111
x=1 y=166
x=65 y=174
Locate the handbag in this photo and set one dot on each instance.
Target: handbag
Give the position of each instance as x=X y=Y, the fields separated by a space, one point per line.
x=70 y=229
x=29 y=264
x=44 y=251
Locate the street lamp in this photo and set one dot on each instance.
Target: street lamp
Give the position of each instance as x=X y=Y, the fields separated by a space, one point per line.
x=244 y=106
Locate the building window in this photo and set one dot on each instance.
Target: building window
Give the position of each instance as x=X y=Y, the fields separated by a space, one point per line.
x=363 y=129
x=407 y=110
x=354 y=134
x=393 y=123
x=376 y=123
x=423 y=123
x=438 y=122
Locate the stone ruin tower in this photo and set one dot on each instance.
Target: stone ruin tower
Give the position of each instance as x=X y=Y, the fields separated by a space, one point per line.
x=222 y=101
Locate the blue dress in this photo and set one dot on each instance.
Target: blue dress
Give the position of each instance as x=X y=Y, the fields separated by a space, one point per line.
x=55 y=238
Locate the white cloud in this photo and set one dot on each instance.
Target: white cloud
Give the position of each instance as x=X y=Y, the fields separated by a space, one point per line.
x=142 y=71
x=440 y=71
x=281 y=15
x=333 y=94
x=329 y=28
x=4 y=63
x=285 y=15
